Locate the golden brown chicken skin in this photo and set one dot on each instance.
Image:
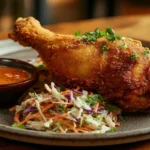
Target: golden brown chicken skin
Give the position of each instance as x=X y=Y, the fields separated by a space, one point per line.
x=120 y=74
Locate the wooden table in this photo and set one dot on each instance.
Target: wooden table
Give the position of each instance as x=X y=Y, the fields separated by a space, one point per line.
x=137 y=27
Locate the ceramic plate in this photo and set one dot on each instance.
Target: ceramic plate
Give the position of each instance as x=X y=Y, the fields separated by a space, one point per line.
x=135 y=127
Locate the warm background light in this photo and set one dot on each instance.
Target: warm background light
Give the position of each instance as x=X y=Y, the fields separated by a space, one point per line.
x=56 y=11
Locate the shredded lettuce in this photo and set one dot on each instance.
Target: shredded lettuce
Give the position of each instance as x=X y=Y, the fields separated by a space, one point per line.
x=48 y=123
x=109 y=121
x=57 y=94
x=80 y=103
x=39 y=109
x=20 y=126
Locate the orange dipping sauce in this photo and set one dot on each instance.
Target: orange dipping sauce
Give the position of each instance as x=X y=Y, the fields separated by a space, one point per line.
x=10 y=75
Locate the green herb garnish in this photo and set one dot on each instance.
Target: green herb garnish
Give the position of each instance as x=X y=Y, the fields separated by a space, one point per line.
x=40 y=66
x=146 y=52
x=112 y=107
x=50 y=111
x=60 y=108
x=134 y=57
x=124 y=46
x=146 y=48
x=109 y=33
x=112 y=129
x=93 y=99
x=20 y=126
x=77 y=33
x=100 y=98
x=130 y=39
x=61 y=89
x=91 y=36
x=104 y=48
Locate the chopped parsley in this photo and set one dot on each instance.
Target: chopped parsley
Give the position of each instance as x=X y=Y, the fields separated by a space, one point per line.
x=130 y=39
x=134 y=57
x=100 y=98
x=50 y=111
x=41 y=66
x=93 y=99
x=146 y=48
x=146 y=52
x=112 y=107
x=109 y=33
x=112 y=129
x=60 y=108
x=124 y=46
x=104 y=48
x=78 y=33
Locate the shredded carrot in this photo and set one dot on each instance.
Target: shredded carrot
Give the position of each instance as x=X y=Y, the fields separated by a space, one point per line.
x=48 y=107
x=67 y=124
x=117 y=123
x=65 y=103
x=95 y=108
x=48 y=115
x=81 y=130
x=34 y=116
x=31 y=102
x=12 y=108
x=56 y=115
x=26 y=97
x=61 y=116
x=37 y=115
x=17 y=117
x=77 y=88
x=65 y=92
x=84 y=129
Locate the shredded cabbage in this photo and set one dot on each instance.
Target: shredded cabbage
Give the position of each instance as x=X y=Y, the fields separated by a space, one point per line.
x=67 y=111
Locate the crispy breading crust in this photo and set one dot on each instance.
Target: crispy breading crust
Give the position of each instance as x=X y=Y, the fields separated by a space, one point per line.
x=72 y=62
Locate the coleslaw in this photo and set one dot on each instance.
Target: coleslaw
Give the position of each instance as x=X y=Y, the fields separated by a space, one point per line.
x=63 y=110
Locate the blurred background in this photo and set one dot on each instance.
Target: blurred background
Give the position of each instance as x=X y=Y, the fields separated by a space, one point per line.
x=56 y=11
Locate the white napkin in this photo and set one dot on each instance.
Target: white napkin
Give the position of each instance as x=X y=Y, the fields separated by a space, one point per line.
x=9 y=46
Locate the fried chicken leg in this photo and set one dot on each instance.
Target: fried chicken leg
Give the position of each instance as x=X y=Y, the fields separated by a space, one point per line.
x=119 y=70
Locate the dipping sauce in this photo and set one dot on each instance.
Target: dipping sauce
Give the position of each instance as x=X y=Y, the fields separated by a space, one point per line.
x=10 y=75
